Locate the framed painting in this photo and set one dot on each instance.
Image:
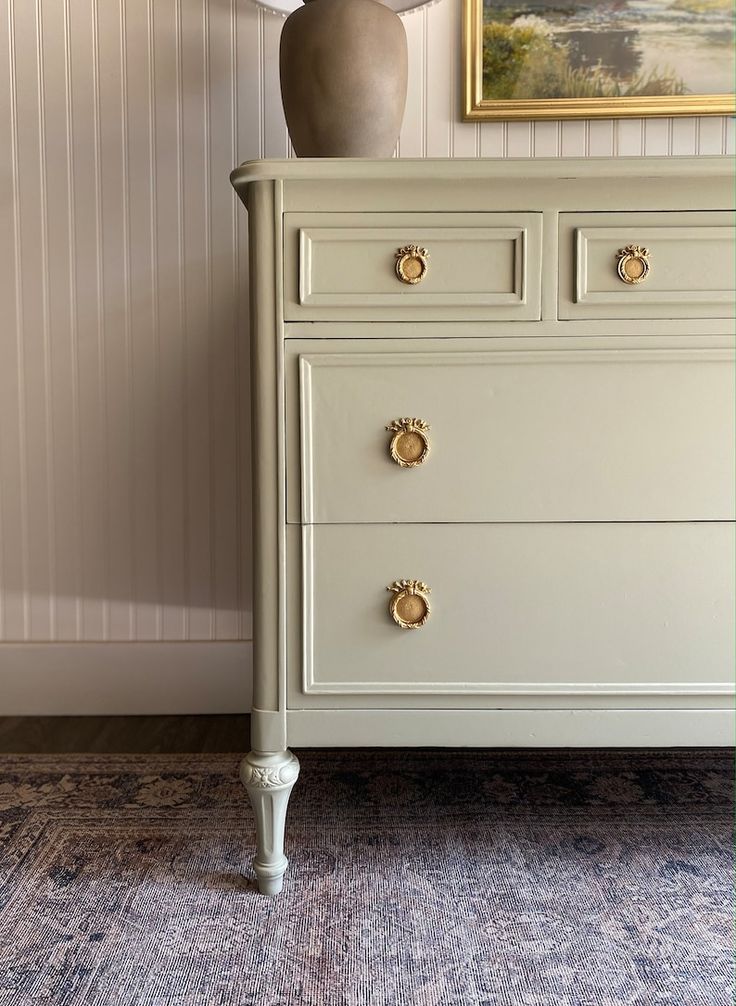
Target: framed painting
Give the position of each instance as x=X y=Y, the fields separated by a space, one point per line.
x=566 y=59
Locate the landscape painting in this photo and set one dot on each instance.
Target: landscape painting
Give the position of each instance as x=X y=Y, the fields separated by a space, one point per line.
x=600 y=57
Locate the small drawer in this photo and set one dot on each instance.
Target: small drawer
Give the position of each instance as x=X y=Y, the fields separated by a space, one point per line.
x=512 y=609
x=393 y=266
x=647 y=265
x=527 y=435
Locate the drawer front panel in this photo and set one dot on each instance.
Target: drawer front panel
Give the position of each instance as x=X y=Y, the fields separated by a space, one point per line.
x=558 y=435
x=635 y=609
x=645 y=265
x=477 y=265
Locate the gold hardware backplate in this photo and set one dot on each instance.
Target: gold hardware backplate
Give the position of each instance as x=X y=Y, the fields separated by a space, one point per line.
x=409 y=606
x=409 y=446
x=412 y=263
x=633 y=264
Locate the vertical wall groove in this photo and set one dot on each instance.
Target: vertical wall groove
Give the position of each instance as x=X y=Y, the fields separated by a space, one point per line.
x=132 y=418
x=425 y=82
x=208 y=314
x=155 y=307
x=45 y=325
x=21 y=587
x=183 y=319
x=261 y=82
x=237 y=265
x=103 y=499
x=74 y=631
x=454 y=91
x=123 y=415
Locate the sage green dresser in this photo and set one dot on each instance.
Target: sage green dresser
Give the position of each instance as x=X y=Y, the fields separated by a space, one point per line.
x=493 y=431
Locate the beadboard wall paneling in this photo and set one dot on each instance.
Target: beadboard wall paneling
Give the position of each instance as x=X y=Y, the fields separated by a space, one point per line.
x=123 y=413
x=124 y=430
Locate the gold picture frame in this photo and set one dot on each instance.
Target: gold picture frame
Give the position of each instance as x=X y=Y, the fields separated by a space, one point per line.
x=477 y=107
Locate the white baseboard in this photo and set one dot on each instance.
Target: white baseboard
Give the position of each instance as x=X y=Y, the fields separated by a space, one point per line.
x=107 y=679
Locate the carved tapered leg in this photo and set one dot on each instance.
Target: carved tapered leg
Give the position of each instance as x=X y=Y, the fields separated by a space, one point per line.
x=269 y=778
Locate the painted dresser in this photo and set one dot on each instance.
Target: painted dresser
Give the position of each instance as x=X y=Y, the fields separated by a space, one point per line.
x=493 y=430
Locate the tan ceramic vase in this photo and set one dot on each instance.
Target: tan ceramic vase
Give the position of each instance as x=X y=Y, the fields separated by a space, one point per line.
x=343 y=78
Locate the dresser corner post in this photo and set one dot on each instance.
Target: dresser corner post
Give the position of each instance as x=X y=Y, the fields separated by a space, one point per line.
x=270 y=770
x=269 y=778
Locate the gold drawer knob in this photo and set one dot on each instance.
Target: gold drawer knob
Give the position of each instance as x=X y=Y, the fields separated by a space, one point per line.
x=412 y=264
x=633 y=263
x=409 y=444
x=409 y=606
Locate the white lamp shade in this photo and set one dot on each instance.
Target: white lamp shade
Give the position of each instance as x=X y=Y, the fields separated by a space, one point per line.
x=285 y=7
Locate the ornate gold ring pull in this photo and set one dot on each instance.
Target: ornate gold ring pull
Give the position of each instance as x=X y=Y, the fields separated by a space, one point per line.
x=409 y=444
x=633 y=263
x=412 y=264
x=409 y=606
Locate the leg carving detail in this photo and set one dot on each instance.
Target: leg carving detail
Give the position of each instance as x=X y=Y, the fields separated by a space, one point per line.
x=269 y=778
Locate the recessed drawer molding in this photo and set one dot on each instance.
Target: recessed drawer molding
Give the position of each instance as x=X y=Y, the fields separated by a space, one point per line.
x=374 y=266
x=541 y=608
x=643 y=265
x=535 y=435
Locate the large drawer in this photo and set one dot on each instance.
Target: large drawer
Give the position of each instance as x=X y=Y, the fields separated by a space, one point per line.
x=462 y=266
x=537 y=435
x=555 y=609
x=647 y=265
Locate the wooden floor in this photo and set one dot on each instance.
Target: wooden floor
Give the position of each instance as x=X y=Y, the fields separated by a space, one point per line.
x=123 y=734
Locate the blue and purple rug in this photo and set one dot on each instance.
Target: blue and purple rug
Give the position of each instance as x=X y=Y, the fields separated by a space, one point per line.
x=417 y=878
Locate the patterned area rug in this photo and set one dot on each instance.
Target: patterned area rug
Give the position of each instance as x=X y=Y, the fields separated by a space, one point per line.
x=417 y=878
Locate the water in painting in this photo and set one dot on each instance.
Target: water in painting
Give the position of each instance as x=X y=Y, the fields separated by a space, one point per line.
x=607 y=49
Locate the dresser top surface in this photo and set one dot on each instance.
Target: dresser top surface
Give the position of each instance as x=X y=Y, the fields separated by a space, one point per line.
x=436 y=169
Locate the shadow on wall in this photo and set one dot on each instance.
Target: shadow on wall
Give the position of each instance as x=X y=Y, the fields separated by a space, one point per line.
x=124 y=396
x=141 y=526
